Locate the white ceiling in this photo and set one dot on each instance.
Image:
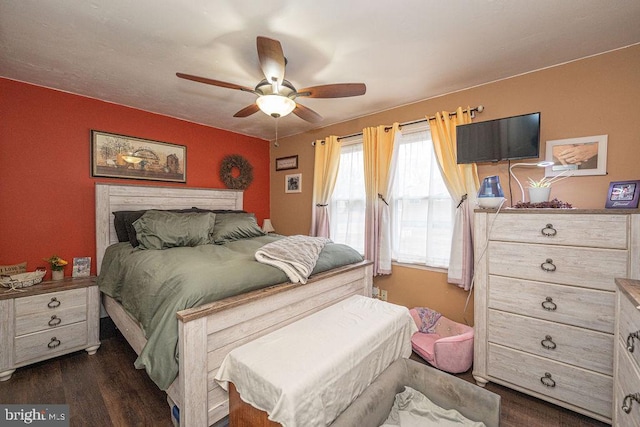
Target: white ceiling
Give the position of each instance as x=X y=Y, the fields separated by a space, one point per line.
x=127 y=52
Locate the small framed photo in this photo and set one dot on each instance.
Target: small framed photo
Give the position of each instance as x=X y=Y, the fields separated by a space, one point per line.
x=293 y=183
x=623 y=195
x=285 y=163
x=577 y=156
x=81 y=267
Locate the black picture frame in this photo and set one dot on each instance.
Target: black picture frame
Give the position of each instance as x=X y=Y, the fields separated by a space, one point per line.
x=623 y=195
x=121 y=156
x=287 y=163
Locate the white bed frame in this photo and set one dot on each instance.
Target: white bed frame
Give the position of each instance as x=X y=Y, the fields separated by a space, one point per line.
x=207 y=333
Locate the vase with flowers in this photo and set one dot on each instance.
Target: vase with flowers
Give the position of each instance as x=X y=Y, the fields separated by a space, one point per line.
x=57 y=267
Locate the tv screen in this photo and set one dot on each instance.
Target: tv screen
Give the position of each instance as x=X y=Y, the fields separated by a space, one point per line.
x=509 y=138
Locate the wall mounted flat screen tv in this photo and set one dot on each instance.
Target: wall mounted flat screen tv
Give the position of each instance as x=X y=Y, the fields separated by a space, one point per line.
x=510 y=138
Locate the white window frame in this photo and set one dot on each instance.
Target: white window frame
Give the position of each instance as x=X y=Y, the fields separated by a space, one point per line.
x=434 y=169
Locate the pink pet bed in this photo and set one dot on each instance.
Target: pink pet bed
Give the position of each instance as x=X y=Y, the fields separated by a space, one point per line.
x=445 y=344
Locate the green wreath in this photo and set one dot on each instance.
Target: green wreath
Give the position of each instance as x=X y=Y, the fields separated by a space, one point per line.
x=245 y=177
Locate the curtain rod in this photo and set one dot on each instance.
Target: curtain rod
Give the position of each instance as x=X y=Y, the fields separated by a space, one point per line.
x=479 y=109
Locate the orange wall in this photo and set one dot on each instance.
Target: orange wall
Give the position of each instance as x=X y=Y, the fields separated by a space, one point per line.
x=46 y=188
x=593 y=96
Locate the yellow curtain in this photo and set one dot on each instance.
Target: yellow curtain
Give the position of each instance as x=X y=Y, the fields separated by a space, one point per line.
x=462 y=183
x=325 y=173
x=378 y=149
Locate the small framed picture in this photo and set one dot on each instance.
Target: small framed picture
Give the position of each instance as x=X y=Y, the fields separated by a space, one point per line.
x=284 y=163
x=81 y=267
x=623 y=195
x=577 y=156
x=293 y=183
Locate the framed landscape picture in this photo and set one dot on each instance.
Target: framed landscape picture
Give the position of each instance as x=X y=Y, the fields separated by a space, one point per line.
x=121 y=156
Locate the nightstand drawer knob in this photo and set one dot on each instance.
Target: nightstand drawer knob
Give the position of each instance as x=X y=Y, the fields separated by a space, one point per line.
x=630 y=343
x=547 y=380
x=55 y=320
x=54 y=303
x=54 y=342
x=549 y=305
x=548 y=265
x=548 y=343
x=628 y=401
x=549 y=231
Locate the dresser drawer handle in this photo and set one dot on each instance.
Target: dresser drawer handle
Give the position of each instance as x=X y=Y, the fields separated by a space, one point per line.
x=55 y=320
x=630 y=338
x=547 y=380
x=549 y=305
x=549 y=231
x=54 y=303
x=54 y=342
x=628 y=401
x=548 y=343
x=548 y=265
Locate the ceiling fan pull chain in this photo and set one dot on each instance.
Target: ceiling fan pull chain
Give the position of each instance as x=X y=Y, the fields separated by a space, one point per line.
x=276 y=144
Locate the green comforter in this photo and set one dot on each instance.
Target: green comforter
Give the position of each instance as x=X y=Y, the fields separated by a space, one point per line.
x=152 y=285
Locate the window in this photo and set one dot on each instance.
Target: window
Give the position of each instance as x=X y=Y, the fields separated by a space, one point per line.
x=422 y=211
x=347 y=206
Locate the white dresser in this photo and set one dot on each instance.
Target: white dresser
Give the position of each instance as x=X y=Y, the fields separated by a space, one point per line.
x=545 y=301
x=626 y=381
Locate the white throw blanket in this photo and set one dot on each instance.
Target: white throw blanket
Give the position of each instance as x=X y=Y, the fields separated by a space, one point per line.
x=295 y=255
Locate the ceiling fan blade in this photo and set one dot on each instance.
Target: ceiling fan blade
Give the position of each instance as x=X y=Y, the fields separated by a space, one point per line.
x=307 y=114
x=214 y=82
x=339 y=90
x=247 y=111
x=271 y=59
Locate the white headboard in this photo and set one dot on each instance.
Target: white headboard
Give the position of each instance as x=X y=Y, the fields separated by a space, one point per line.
x=111 y=198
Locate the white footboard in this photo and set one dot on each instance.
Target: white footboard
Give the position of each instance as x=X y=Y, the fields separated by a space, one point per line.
x=209 y=332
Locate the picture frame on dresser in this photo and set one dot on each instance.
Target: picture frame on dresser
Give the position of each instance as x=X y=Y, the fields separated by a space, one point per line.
x=623 y=195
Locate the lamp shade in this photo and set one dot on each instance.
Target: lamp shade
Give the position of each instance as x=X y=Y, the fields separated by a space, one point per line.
x=275 y=105
x=267 y=227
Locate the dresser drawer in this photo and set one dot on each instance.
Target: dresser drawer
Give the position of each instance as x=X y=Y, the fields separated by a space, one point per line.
x=628 y=383
x=51 y=302
x=582 y=388
x=51 y=343
x=587 y=308
x=583 y=267
x=45 y=320
x=629 y=328
x=575 y=346
x=598 y=231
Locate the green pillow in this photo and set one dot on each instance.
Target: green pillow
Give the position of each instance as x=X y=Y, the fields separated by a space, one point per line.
x=162 y=230
x=235 y=226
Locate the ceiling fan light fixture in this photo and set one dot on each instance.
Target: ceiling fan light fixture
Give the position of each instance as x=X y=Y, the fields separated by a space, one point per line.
x=275 y=105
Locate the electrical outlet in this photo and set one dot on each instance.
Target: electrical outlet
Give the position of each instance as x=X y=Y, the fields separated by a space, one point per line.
x=383 y=294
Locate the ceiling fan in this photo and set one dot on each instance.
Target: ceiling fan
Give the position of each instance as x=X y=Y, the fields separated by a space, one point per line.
x=276 y=96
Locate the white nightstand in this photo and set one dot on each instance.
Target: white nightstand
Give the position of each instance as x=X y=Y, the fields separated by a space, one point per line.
x=48 y=320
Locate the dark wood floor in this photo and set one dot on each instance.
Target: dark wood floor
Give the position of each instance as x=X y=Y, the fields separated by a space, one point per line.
x=106 y=390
